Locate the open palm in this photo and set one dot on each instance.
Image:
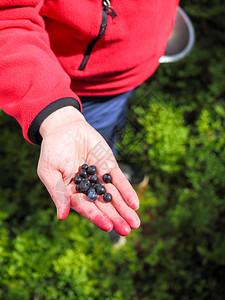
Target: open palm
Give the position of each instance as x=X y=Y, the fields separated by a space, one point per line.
x=68 y=142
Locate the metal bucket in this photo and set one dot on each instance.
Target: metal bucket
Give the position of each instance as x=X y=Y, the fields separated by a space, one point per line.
x=181 y=39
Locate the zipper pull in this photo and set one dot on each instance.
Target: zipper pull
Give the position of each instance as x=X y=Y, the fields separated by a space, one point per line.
x=112 y=12
x=106 y=4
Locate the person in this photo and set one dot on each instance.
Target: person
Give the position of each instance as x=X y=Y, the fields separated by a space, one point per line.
x=56 y=56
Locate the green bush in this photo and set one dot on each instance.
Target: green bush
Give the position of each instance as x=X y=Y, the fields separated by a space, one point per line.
x=62 y=260
x=182 y=242
x=176 y=134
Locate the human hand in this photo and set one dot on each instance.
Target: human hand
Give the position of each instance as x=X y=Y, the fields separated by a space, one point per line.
x=68 y=142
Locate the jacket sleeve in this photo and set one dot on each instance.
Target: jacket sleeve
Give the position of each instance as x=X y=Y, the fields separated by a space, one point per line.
x=33 y=84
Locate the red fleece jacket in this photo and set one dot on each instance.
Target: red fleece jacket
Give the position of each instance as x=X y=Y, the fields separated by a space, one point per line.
x=43 y=43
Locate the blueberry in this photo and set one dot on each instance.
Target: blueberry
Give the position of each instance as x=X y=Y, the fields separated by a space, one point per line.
x=87 y=181
x=77 y=179
x=107 y=197
x=100 y=190
x=85 y=185
x=83 y=173
x=84 y=167
x=107 y=178
x=78 y=188
x=91 y=170
x=86 y=192
x=96 y=185
x=93 y=179
x=92 y=196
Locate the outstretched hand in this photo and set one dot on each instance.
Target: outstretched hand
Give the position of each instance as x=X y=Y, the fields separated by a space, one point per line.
x=68 y=142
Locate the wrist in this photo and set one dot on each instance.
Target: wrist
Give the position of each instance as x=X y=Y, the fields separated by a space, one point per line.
x=58 y=118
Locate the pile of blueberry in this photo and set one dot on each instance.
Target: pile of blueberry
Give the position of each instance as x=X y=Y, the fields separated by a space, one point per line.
x=87 y=183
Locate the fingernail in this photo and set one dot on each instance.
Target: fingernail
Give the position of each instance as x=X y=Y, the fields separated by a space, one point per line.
x=63 y=212
x=103 y=223
x=136 y=205
x=133 y=202
x=136 y=223
x=122 y=228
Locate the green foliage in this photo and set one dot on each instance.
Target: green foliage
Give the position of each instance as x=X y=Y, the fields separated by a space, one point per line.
x=182 y=243
x=63 y=260
x=164 y=136
x=176 y=134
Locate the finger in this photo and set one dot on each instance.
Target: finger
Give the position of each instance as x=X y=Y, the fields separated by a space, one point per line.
x=119 y=224
x=124 y=187
x=84 y=207
x=55 y=185
x=127 y=213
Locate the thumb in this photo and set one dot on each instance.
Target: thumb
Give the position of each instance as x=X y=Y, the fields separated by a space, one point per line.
x=55 y=185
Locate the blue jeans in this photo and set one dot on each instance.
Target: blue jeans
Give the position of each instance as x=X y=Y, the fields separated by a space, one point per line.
x=107 y=115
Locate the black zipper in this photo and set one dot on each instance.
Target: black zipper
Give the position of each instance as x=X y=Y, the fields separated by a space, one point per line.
x=107 y=8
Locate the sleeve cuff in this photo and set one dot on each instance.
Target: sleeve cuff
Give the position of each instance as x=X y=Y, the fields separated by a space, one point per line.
x=33 y=131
